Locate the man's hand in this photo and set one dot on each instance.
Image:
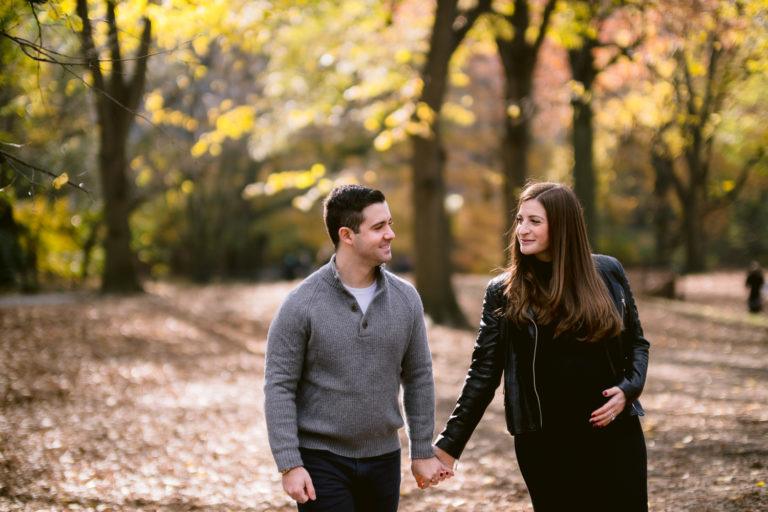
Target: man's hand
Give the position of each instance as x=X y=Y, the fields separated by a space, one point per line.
x=298 y=485
x=429 y=472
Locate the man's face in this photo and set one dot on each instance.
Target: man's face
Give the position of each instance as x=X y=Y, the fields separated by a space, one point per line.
x=373 y=241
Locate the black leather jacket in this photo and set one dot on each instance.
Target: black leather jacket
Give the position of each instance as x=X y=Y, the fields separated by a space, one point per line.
x=502 y=347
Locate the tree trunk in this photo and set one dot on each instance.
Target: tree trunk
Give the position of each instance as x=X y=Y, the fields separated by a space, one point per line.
x=662 y=211
x=88 y=245
x=694 y=206
x=584 y=180
x=514 y=157
x=120 y=273
x=11 y=256
x=518 y=57
x=694 y=228
x=116 y=98
x=514 y=149
x=432 y=235
x=433 y=269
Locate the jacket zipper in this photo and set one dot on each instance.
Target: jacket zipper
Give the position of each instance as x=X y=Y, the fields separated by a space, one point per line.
x=535 y=389
x=623 y=304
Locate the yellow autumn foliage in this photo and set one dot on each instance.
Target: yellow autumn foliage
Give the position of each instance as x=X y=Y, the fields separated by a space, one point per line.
x=236 y=122
x=60 y=180
x=457 y=114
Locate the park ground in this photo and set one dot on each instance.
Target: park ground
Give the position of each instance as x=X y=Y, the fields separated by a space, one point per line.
x=155 y=402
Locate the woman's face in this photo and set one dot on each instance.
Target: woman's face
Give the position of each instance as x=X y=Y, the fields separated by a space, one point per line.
x=533 y=230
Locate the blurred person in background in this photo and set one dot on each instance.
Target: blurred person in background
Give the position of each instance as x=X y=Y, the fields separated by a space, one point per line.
x=755 y=281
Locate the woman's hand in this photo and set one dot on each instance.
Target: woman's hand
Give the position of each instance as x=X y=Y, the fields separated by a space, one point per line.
x=447 y=459
x=429 y=472
x=612 y=408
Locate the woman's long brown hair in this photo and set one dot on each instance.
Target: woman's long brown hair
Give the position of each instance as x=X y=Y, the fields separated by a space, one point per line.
x=576 y=298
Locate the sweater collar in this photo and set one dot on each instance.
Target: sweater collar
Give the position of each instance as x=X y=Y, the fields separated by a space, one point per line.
x=332 y=274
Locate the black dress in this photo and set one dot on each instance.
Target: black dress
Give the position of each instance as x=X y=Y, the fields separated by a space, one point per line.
x=568 y=464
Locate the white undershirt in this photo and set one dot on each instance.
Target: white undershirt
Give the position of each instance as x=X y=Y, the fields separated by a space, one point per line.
x=364 y=296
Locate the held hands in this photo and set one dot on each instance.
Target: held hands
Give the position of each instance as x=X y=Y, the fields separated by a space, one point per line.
x=298 y=485
x=612 y=408
x=448 y=460
x=428 y=472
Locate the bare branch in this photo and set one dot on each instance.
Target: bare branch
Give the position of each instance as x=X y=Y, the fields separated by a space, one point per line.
x=54 y=57
x=730 y=196
x=114 y=100
x=10 y=159
x=470 y=17
x=714 y=53
x=37 y=22
x=143 y=56
x=89 y=51
x=660 y=150
x=688 y=80
x=623 y=51
x=678 y=88
x=138 y=81
x=114 y=45
x=548 y=10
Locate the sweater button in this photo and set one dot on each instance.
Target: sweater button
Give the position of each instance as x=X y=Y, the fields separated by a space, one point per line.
x=354 y=307
x=365 y=325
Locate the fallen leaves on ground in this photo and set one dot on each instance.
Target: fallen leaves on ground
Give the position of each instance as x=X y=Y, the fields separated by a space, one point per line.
x=155 y=402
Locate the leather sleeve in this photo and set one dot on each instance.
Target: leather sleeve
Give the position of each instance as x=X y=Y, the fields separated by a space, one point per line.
x=482 y=379
x=634 y=343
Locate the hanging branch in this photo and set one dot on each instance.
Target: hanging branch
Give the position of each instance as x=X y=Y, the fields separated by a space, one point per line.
x=6 y=157
x=41 y=53
x=466 y=20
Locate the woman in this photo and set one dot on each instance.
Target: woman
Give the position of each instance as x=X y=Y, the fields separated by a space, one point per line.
x=561 y=326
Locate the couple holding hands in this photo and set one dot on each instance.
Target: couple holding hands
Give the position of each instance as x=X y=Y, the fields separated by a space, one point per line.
x=559 y=326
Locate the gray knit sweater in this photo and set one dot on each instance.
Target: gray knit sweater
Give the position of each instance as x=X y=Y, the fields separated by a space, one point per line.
x=333 y=375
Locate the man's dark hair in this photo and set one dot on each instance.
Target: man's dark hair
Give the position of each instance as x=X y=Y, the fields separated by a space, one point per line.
x=344 y=208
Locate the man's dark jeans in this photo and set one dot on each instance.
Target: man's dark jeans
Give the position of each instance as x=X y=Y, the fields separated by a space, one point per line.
x=344 y=484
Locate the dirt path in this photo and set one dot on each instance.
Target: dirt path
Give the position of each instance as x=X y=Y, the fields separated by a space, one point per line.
x=155 y=403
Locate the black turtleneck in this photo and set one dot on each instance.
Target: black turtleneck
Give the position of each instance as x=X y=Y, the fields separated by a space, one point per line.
x=542 y=270
x=570 y=373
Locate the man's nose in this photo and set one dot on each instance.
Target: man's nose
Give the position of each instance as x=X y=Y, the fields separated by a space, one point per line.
x=390 y=234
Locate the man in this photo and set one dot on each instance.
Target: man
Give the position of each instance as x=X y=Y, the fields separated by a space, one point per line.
x=338 y=351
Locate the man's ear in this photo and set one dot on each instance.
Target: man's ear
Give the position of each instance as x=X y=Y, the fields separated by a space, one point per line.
x=345 y=235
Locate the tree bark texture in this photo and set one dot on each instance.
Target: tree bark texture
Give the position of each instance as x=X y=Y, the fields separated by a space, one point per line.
x=583 y=70
x=518 y=58
x=663 y=215
x=432 y=237
x=116 y=98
